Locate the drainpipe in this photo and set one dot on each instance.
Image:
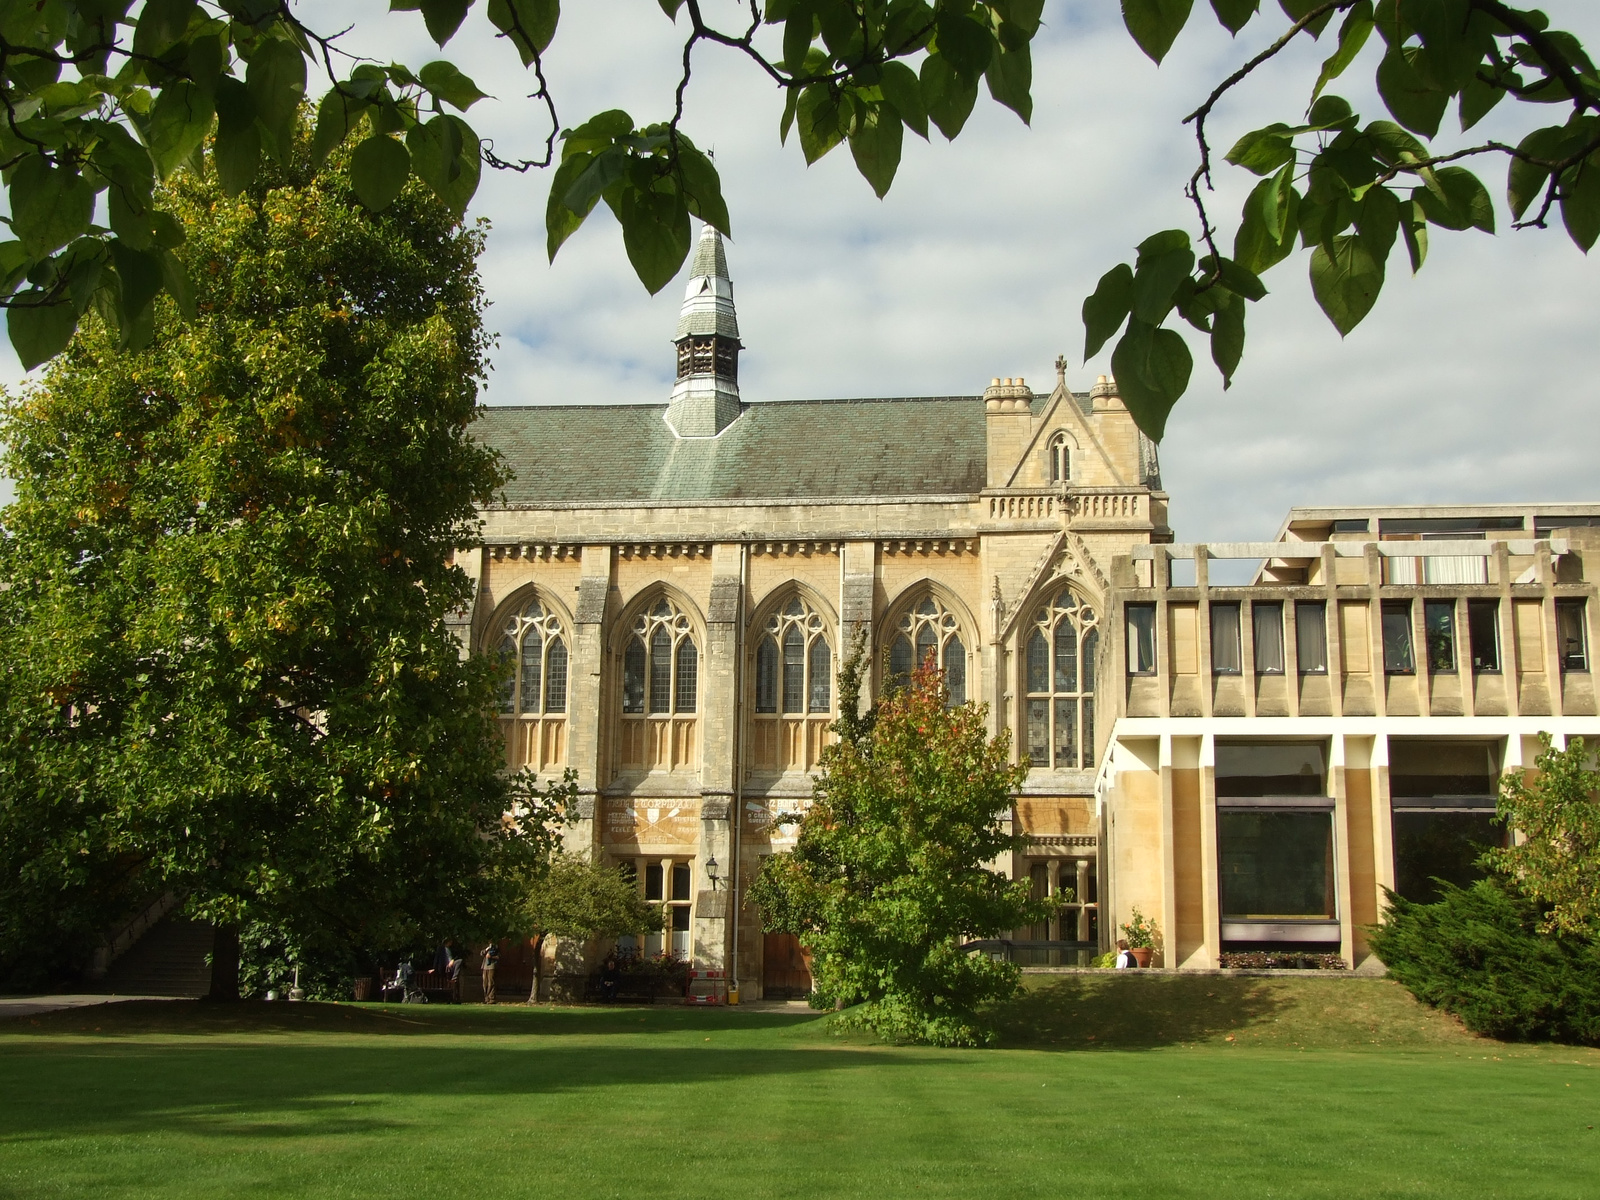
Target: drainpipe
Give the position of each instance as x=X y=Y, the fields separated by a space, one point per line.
x=738 y=759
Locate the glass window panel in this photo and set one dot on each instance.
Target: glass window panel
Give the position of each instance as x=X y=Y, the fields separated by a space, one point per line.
x=1066 y=657
x=1266 y=621
x=900 y=662
x=1397 y=658
x=555 y=680
x=1440 y=769
x=1039 y=732
x=1038 y=662
x=633 y=677
x=1571 y=636
x=1429 y=846
x=1141 y=639
x=794 y=670
x=1091 y=644
x=1311 y=636
x=1270 y=768
x=1225 y=657
x=653 y=882
x=955 y=670
x=1439 y=620
x=532 y=651
x=1276 y=865
x=1066 y=733
x=1483 y=634
x=680 y=881
x=821 y=672
x=661 y=672
x=767 y=675
x=508 y=688
x=1088 y=730
x=688 y=677
x=927 y=643
x=680 y=921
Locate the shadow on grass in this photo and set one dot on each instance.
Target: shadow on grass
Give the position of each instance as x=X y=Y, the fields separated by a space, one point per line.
x=1132 y=1012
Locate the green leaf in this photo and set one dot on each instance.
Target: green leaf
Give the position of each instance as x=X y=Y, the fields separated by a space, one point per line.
x=450 y=85
x=560 y=220
x=1414 y=227
x=1164 y=259
x=1378 y=222
x=1478 y=98
x=875 y=145
x=1263 y=151
x=655 y=232
x=1268 y=223
x=1525 y=180
x=1353 y=34
x=1235 y=278
x=447 y=156
x=791 y=105
x=530 y=24
x=175 y=276
x=1295 y=9
x=277 y=80
x=179 y=122
x=1010 y=78
x=161 y=25
x=1463 y=204
x=798 y=33
x=963 y=41
x=1345 y=282
x=670 y=7
x=702 y=187
x=1155 y=24
x=600 y=172
x=49 y=205
x=1227 y=336
x=379 y=167
x=1329 y=112
x=1106 y=310
x=443 y=17
x=236 y=153
x=1414 y=103
x=1152 y=367
x=820 y=128
x=1580 y=202
x=1393 y=144
x=337 y=115
x=38 y=331
x=903 y=91
x=141 y=275
x=948 y=96
x=1235 y=14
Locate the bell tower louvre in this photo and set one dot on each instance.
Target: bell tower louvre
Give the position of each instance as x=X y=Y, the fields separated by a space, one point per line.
x=705 y=398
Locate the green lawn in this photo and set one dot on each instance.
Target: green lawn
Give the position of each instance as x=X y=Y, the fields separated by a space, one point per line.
x=1108 y=1086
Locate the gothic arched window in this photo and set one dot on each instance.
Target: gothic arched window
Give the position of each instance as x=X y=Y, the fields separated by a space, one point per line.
x=793 y=690
x=660 y=689
x=533 y=699
x=929 y=632
x=1060 y=459
x=1060 y=665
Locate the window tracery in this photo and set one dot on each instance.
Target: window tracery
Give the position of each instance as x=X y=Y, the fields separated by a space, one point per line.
x=660 y=689
x=929 y=630
x=1060 y=456
x=793 y=689
x=533 y=698
x=1060 y=667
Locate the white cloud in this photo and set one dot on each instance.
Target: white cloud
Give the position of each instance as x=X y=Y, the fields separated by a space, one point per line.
x=1470 y=382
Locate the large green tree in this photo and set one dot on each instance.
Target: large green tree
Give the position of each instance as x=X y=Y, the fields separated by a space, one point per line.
x=224 y=664
x=578 y=898
x=1556 y=855
x=892 y=871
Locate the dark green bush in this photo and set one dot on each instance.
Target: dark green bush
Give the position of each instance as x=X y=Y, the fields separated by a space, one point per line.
x=1282 y=960
x=1476 y=953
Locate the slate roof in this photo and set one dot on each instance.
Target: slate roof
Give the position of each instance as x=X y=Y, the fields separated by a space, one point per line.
x=776 y=451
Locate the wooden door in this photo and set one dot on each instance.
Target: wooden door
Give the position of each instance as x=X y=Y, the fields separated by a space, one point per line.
x=785 y=968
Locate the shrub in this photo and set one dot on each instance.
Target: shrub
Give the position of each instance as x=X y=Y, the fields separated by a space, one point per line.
x=1477 y=953
x=1283 y=960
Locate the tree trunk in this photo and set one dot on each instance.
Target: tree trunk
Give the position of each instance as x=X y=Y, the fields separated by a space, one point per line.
x=224 y=964
x=538 y=968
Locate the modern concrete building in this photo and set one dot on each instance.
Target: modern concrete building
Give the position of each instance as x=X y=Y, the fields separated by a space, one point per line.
x=676 y=583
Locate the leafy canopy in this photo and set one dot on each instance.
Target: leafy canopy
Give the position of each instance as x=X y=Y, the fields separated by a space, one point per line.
x=890 y=874
x=1557 y=858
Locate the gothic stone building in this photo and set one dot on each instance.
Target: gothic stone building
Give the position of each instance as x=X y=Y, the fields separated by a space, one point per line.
x=675 y=584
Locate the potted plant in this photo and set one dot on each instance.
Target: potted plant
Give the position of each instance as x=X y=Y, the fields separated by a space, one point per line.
x=1141 y=933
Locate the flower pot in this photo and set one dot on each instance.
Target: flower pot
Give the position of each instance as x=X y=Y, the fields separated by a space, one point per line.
x=1141 y=955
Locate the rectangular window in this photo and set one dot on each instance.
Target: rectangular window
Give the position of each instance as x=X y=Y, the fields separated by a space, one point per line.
x=1266 y=622
x=767 y=676
x=1066 y=733
x=1273 y=768
x=1443 y=773
x=680 y=931
x=1433 y=845
x=1397 y=656
x=1141 y=639
x=688 y=677
x=661 y=673
x=1439 y=620
x=680 y=881
x=1039 y=732
x=653 y=882
x=1572 y=642
x=794 y=673
x=1483 y=634
x=1276 y=865
x=1311 y=637
x=633 y=677
x=1225 y=656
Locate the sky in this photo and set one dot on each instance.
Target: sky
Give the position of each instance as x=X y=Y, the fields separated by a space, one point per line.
x=1472 y=382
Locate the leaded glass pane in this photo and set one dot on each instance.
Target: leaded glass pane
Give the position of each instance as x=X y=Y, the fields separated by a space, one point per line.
x=927 y=643
x=1088 y=730
x=955 y=670
x=508 y=689
x=555 y=680
x=661 y=672
x=532 y=653
x=794 y=670
x=1039 y=732
x=633 y=677
x=900 y=662
x=1091 y=643
x=688 y=677
x=821 y=677
x=1066 y=746
x=767 y=675
x=1038 y=663
x=1066 y=657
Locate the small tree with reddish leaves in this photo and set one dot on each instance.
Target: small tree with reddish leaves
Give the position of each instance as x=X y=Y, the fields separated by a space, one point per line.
x=891 y=873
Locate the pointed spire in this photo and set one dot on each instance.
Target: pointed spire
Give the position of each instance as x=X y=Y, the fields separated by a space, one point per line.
x=705 y=399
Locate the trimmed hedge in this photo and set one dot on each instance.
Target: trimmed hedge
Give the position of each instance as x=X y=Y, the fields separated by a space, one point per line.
x=1477 y=953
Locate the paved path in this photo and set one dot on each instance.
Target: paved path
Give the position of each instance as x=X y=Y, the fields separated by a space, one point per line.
x=28 y=1006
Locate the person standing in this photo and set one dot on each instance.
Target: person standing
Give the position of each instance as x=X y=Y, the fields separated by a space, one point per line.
x=491 y=959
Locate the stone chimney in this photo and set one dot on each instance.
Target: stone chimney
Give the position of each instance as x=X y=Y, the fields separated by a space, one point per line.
x=1008 y=409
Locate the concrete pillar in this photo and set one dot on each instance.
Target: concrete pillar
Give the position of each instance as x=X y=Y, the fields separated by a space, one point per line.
x=1341 y=850
x=1210 y=866
x=1169 y=861
x=586 y=694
